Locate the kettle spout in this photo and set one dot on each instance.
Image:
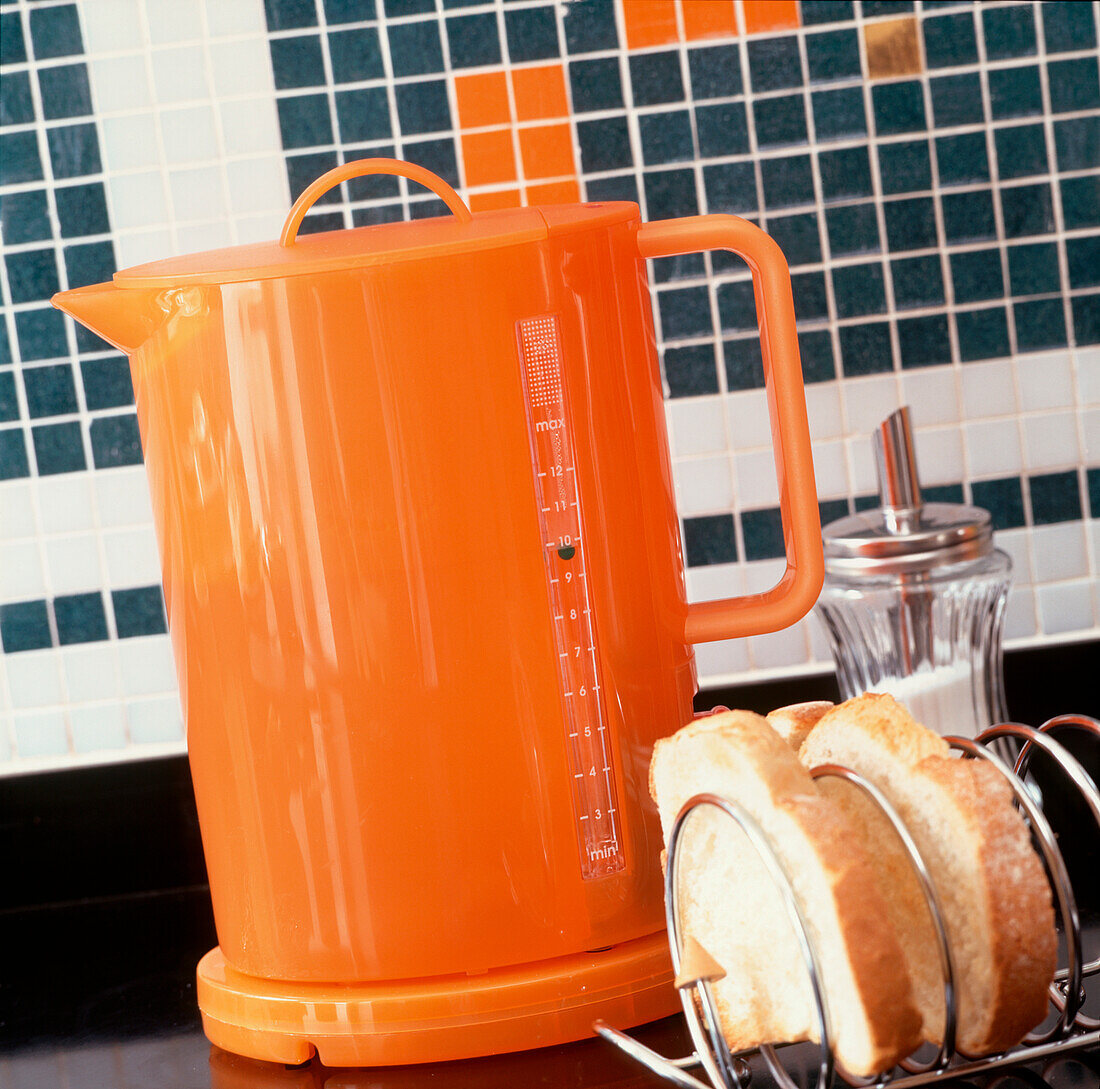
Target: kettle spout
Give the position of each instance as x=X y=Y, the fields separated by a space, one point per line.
x=125 y=317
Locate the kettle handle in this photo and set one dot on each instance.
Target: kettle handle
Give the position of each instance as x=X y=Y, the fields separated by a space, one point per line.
x=795 y=593
x=356 y=169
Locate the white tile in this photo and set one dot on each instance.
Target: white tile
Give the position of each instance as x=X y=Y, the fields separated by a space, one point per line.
x=704 y=485
x=65 y=503
x=779 y=648
x=170 y=21
x=120 y=85
x=238 y=68
x=110 y=25
x=722 y=658
x=73 y=563
x=130 y=143
x=868 y=401
x=250 y=126
x=16 y=510
x=122 y=496
x=6 y=730
x=1050 y=440
x=861 y=465
x=762 y=575
x=261 y=228
x=830 y=468
x=1060 y=552
x=939 y=455
x=715 y=581
x=1093 y=527
x=132 y=557
x=41 y=733
x=179 y=74
x=223 y=19
x=146 y=665
x=1090 y=429
x=138 y=247
x=932 y=395
x=755 y=479
x=993 y=447
x=34 y=678
x=255 y=184
x=138 y=200
x=98 y=728
x=820 y=648
x=1016 y=543
x=196 y=237
x=1045 y=380
x=988 y=389
x=90 y=671
x=1088 y=375
x=1065 y=606
x=197 y=194
x=749 y=423
x=1020 y=621
x=21 y=574
x=156 y=720
x=697 y=425
x=823 y=410
x=189 y=135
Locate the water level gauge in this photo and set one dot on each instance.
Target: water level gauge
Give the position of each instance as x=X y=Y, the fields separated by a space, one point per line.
x=588 y=745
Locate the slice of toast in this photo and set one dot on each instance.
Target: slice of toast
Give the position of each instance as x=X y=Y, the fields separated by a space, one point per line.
x=730 y=905
x=995 y=897
x=794 y=722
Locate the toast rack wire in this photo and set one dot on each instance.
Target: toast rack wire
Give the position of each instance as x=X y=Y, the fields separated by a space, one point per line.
x=1071 y=1029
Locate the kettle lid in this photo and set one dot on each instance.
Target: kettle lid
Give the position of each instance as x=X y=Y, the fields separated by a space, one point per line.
x=292 y=255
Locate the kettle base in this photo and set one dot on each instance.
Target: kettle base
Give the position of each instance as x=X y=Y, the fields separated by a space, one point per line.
x=392 y=1023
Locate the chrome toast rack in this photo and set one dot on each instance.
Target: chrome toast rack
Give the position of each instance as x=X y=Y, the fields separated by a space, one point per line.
x=1070 y=1030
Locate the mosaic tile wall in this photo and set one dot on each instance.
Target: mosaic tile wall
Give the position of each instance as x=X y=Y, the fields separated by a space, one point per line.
x=931 y=170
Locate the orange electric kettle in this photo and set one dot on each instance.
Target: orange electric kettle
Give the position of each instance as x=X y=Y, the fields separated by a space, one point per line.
x=422 y=566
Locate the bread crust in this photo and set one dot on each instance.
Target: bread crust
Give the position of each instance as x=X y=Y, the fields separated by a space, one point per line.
x=794 y=722
x=1020 y=920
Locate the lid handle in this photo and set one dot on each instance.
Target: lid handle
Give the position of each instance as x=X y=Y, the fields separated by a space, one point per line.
x=896 y=462
x=316 y=189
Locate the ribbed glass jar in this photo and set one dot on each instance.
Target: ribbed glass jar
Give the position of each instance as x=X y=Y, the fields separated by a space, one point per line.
x=931 y=638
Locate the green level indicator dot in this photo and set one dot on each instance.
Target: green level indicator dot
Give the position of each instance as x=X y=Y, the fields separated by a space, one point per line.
x=567 y=552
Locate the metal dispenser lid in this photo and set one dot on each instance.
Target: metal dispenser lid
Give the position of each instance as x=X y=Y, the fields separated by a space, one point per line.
x=904 y=535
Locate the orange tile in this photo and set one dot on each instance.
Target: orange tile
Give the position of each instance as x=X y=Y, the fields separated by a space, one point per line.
x=649 y=22
x=540 y=92
x=769 y=15
x=489 y=157
x=547 y=151
x=490 y=202
x=482 y=100
x=566 y=192
x=708 y=19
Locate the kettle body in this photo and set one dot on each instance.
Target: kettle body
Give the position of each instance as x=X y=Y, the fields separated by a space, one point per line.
x=373 y=634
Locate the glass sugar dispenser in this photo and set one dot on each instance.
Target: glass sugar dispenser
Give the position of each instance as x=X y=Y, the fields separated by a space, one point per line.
x=914 y=598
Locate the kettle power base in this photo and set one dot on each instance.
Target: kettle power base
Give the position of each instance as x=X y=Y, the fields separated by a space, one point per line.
x=432 y=1020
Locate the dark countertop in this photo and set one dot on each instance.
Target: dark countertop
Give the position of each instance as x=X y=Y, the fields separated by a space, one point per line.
x=104 y=913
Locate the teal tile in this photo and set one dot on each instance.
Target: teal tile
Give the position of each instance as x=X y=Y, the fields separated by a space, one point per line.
x=780 y=121
x=859 y=290
x=1027 y=210
x=968 y=217
x=983 y=334
x=1055 y=497
x=1081 y=201
x=853 y=229
x=950 y=41
x=1069 y=27
x=910 y=224
x=839 y=113
x=957 y=100
x=918 y=282
x=976 y=275
x=1040 y=324
x=833 y=55
x=865 y=349
x=1015 y=92
x=962 y=159
x=845 y=173
x=898 y=107
x=924 y=341
x=1009 y=31
x=1074 y=84
x=1033 y=270
x=905 y=167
